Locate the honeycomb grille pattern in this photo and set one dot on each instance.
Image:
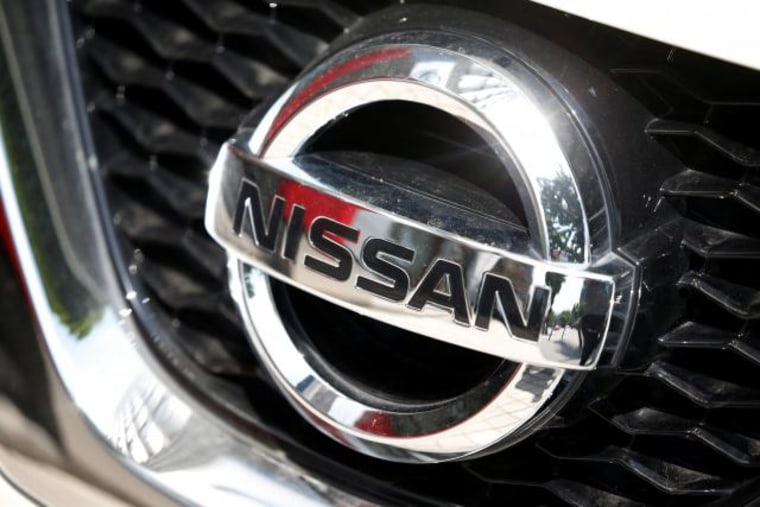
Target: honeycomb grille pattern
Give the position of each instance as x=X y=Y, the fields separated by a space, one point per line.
x=167 y=82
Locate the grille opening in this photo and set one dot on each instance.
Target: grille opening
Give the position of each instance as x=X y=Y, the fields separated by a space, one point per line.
x=720 y=365
x=742 y=272
x=389 y=362
x=706 y=313
x=743 y=421
x=709 y=160
x=261 y=50
x=725 y=214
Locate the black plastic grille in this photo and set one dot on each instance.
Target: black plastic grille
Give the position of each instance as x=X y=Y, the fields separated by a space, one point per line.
x=167 y=82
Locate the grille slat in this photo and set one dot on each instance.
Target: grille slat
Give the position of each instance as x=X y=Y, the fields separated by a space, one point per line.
x=339 y=14
x=227 y=17
x=692 y=183
x=168 y=39
x=715 y=243
x=665 y=476
x=186 y=197
x=156 y=134
x=742 y=301
x=254 y=79
x=178 y=290
x=692 y=334
x=648 y=421
x=737 y=152
x=580 y=495
x=702 y=389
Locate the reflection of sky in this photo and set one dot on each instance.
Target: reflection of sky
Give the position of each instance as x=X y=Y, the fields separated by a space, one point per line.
x=568 y=295
x=89 y=361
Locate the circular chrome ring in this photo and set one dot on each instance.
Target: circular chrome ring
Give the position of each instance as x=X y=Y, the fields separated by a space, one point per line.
x=527 y=125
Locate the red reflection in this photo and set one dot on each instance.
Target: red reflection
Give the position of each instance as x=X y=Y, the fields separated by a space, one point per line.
x=316 y=204
x=7 y=239
x=377 y=424
x=311 y=91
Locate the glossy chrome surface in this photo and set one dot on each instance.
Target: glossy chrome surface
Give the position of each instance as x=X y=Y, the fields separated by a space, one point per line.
x=443 y=431
x=486 y=89
x=568 y=243
x=371 y=197
x=107 y=413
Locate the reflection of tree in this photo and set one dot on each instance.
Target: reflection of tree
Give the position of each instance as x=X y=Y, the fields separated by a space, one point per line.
x=564 y=319
x=569 y=317
x=76 y=315
x=565 y=217
x=67 y=295
x=554 y=281
x=68 y=298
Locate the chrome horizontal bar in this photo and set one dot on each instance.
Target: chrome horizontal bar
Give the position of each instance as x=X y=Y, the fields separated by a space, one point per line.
x=380 y=237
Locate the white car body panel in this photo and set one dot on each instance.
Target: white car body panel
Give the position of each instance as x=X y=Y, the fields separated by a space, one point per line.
x=726 y=30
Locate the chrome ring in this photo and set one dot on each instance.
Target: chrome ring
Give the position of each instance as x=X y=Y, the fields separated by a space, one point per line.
x=527 y=125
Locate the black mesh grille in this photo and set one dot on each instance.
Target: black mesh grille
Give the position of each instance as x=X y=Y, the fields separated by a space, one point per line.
x=167 y=82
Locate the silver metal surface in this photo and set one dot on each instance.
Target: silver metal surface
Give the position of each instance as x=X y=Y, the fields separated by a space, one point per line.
x=488 y=91
x=444 y=431
x=567 y=248
x=474 y=248
x=107 y=413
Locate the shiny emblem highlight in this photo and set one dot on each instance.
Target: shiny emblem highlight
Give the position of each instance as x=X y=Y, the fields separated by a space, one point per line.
x=397 y=242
